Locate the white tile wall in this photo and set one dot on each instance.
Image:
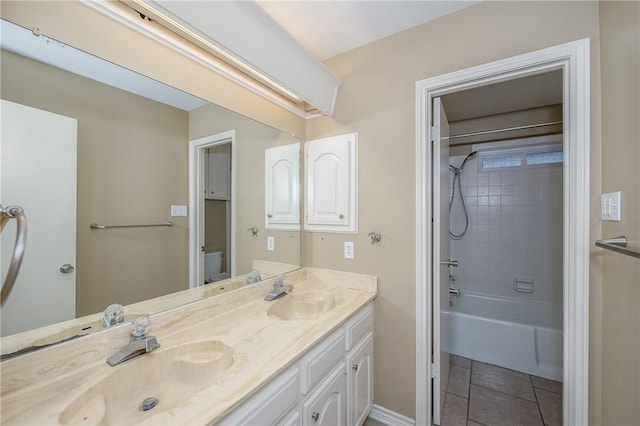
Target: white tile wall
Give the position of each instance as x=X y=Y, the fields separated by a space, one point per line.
x=515 y=231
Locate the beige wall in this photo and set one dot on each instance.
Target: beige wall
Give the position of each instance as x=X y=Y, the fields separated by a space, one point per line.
x=132 y=165
x=252 y=138
x=620 y=56
x=377 y=99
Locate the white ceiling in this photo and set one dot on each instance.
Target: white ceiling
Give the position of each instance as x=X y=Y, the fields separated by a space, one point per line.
x=328 y=28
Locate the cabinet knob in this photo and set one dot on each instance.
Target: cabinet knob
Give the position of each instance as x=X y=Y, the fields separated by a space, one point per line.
x=269 y=215
x=354 y=367
x=341 y=216
x=315 y=416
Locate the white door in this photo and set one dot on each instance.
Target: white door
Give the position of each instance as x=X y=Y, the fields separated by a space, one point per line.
x=38 y=173
x=440 y=258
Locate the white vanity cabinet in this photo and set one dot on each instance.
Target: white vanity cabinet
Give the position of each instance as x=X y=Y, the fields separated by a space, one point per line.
x=327 y=405
x=332 y=384
x=276 y=403
x=217 y=171
x=360 y=381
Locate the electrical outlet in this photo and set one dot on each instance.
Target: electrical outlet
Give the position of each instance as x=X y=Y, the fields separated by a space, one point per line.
x=178 y=210
x=271 y=243
x=610 y=206
x=348 y=250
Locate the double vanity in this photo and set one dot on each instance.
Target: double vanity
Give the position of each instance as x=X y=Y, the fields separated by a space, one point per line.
x=303 y=358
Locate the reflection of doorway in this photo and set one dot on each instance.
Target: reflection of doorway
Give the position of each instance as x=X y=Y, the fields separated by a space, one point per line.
x=572 y=59
x=39 y=175
x=212 y=206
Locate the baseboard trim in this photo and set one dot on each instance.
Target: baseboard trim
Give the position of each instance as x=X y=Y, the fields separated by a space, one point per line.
x=389 y=418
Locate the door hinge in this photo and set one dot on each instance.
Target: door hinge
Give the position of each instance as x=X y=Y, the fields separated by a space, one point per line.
x=435 y=371
x=435 y=134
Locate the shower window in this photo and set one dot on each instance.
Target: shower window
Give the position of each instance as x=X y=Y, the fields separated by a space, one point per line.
x=548 y=157
x=501 y=161
x=530 y=156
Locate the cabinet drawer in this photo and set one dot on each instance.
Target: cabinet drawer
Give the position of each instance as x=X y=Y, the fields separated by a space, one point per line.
x=319 y=362
x=270 y=404
x=359 y=326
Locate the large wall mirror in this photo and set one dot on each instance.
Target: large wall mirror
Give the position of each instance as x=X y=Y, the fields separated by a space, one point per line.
x=127 y=161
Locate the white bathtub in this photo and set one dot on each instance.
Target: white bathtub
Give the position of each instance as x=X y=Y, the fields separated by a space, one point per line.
x=512 y=333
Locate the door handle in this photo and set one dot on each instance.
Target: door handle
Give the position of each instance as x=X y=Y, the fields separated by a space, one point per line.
x=67 y=269
x=449 y=263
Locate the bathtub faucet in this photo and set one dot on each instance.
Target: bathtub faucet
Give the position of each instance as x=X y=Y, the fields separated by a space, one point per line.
x=455 y=291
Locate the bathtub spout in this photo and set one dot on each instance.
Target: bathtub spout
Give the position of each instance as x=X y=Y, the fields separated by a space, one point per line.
x=455 y=291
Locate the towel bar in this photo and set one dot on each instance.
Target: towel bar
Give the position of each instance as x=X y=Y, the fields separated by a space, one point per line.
x=96 y=226
x=617 y=244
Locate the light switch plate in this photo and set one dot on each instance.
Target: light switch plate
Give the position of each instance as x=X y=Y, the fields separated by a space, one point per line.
x=610 y=206
x=178 y=210
x=348 y=250
x=271 y=243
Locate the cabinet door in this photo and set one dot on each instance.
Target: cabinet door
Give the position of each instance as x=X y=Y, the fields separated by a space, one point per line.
x=219 y=172
x=292 y=418
x=327 y=406
x=282 y=187
x=331 y=173
x=360 y=381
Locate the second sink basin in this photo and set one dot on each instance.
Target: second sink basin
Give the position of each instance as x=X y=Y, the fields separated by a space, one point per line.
x=169 y=376
x=302 y=306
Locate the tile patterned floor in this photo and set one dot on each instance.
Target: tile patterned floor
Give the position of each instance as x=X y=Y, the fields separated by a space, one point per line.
x=482 y=394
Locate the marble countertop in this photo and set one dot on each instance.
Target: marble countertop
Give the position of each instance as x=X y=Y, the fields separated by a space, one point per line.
x=37 y=387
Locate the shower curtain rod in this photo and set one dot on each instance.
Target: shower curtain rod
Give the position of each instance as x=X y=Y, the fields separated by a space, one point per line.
x=508 y=129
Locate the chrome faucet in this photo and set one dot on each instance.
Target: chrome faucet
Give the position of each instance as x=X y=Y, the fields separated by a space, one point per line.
x=455 y=291
x=280 y=288
x=113 y=315
x=139 y=344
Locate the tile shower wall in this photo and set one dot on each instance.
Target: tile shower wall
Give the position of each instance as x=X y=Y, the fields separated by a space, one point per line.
x=515 y=231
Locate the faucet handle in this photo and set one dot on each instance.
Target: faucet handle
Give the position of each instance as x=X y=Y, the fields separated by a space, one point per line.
x=140 y=326
x=113 y=315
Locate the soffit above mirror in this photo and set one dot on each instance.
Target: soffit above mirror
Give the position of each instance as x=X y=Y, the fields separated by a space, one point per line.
x=44 y=49
x=245 y=45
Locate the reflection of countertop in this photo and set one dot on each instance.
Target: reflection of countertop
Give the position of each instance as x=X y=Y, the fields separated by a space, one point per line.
x=37 y=387
x=93 y=323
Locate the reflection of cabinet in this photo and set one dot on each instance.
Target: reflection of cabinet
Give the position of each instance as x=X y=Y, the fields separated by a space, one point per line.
x=331 y=184
x=217 y=172
x=332 y=384
x=282 y=187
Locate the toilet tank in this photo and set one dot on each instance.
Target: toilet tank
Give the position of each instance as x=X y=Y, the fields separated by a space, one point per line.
x=212 y=264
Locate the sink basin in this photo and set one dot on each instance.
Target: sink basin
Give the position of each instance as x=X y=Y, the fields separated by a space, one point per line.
x=170 y=376
x=78 y=330
x=301 y=306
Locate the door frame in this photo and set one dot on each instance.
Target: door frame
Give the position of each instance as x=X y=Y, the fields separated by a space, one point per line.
x=574 y=60
x=196 y=203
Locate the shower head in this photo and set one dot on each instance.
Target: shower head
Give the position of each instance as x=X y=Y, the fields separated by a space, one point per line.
x=467 y=158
